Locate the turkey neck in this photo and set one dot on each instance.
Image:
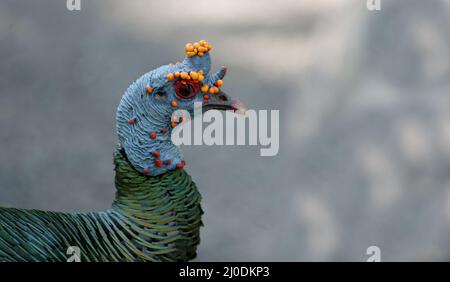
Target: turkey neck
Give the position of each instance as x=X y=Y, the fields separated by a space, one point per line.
x=164 y=210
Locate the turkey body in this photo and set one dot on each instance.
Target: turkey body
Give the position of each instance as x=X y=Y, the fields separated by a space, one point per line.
x=153 y=218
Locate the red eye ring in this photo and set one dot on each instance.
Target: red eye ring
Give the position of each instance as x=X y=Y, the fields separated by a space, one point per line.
x=186 y=89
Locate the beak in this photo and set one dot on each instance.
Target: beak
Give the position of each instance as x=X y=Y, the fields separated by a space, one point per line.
x=221 y=101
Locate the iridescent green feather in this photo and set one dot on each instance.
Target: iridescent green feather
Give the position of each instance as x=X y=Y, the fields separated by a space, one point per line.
x=153 y=218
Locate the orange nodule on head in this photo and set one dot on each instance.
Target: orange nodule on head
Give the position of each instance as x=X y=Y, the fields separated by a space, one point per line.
x=213 y=90
x=205 y=88
x=197 y=48
x=170 y=76
x=193 y=75
x=184 y=75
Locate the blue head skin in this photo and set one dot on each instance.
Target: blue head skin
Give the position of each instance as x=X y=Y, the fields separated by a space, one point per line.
x=144 y=115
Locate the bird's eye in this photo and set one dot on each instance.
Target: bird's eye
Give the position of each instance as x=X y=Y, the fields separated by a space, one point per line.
x=186 y=89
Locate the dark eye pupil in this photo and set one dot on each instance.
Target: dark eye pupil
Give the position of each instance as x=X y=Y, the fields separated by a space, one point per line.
x=186 y=90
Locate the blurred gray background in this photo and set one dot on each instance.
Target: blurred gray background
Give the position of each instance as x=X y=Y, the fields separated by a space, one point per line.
x=364 y=100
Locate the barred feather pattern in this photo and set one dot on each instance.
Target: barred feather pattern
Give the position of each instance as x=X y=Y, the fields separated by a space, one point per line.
x=153 y=218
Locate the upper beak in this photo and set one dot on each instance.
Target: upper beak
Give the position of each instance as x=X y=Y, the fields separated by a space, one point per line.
x=221 y=101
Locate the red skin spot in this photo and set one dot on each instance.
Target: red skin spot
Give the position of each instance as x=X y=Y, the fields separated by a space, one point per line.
x=180 y=165
x=132 y=121
x=156 y=154
x=158 y=163
x=153 y=135
x=146 y=171
x=165 y=130
x=167 y=162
